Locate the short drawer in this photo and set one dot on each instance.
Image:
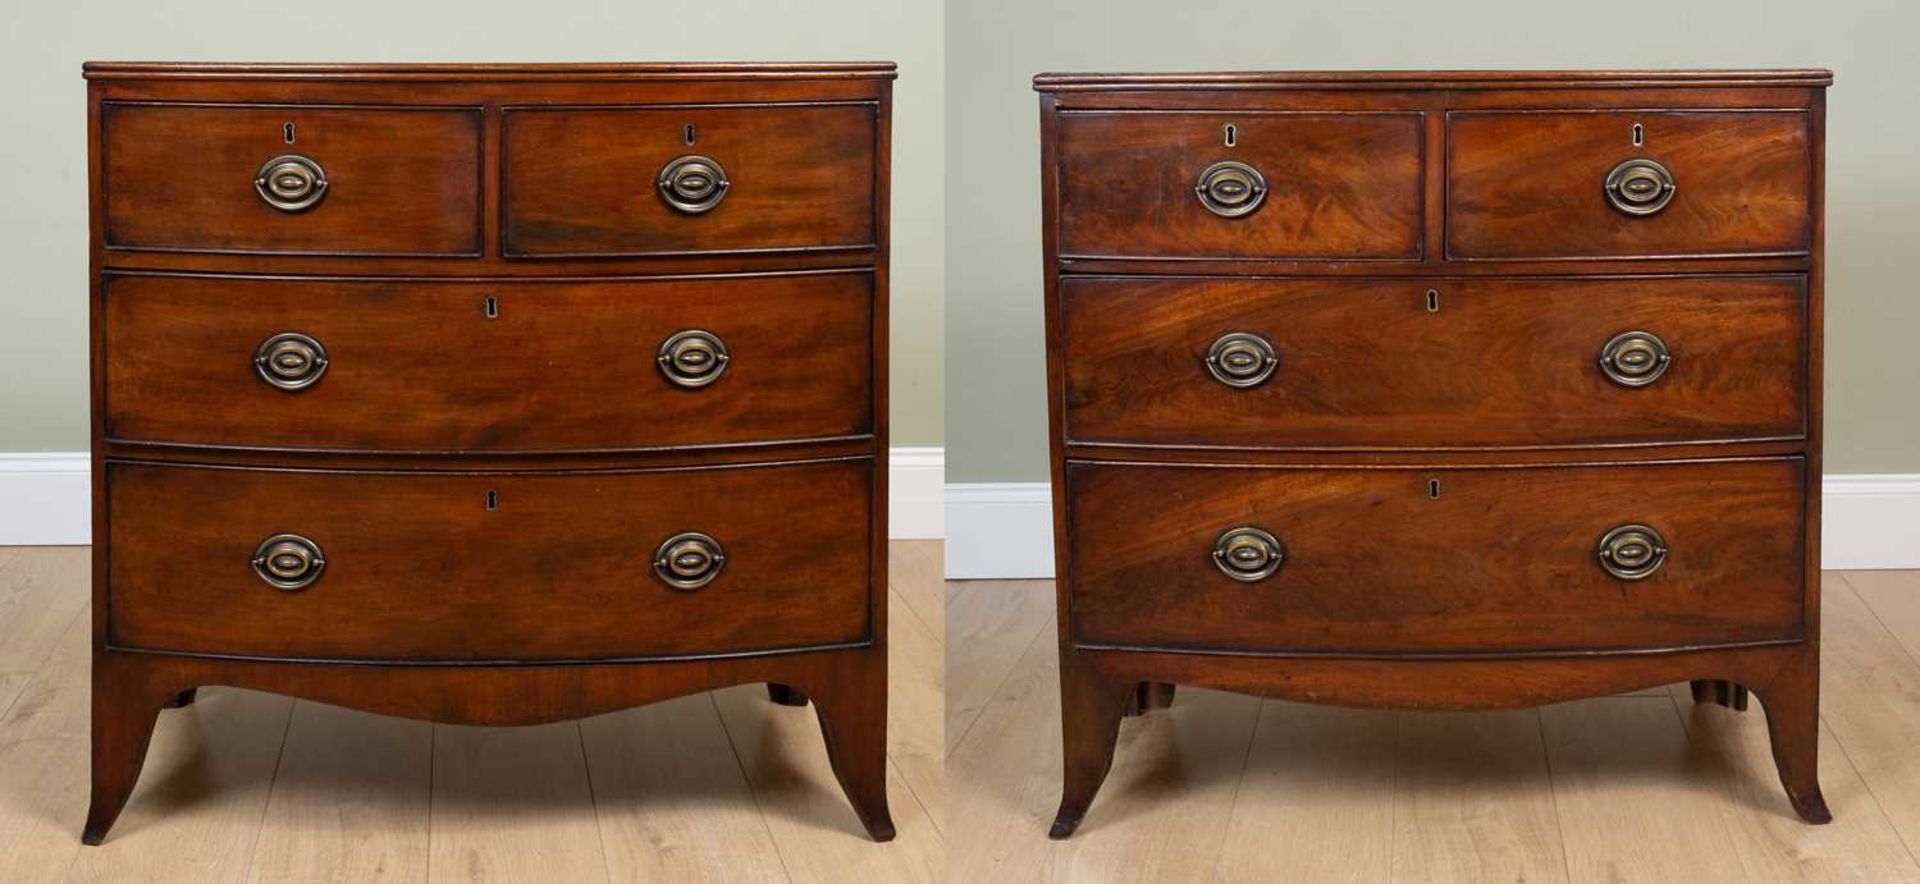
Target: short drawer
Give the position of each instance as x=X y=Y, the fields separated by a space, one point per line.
x=487 y=366
x=1578 y=184
x=1440 y=560
x=1273 y=363
x=296 y=179
x=588 y=182
x=488 y=567
x=1241 y=185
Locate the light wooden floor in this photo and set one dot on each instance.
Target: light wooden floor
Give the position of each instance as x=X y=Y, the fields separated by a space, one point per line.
x=250 y=786
x=1645 y=787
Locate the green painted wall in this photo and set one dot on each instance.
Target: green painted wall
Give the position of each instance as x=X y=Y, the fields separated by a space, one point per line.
x=995 y=360
x=43 y=181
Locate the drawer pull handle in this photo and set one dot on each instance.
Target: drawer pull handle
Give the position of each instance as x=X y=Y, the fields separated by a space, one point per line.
x=1631 y=552
x=1639 y=187
x=689 y=560
x=1634 y=358
x=693 y=358
x=290 y=361
x=1241 y=359
x=291 y=182
x=1248 y=554
x=1230 y=189
x=693 y=184
x=288 y=562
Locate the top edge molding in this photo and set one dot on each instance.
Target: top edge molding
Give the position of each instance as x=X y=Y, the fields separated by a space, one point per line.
x=121 y=70
x=1462 y=80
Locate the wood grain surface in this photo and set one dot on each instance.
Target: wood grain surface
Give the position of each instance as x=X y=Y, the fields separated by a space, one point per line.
x=1503 y=560
x=400 y=181
x=1497 y=362
x=1340 y=186
x=1529 y=185
x=580 y=181
x=420 y=365
x=419 y=568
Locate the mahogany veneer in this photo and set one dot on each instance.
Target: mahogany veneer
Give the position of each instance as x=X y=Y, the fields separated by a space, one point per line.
x=1449 y=390
x=489 y=394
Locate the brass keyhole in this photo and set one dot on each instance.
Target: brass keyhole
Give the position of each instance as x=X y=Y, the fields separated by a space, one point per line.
x=1433 y=489
x=1433 y=300
x=1639 y=135
x=493 y=500
x=490 y=307
x=688 y=134
x=1232 y=133
x=286 y=133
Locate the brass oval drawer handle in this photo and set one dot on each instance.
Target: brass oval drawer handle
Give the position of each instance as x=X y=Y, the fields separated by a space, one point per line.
x=1639 y=187
x=1631 y=552
x=290 y=361
x=1634 y=358
x=288 y=562
x=1230 y=189
x=1241 y=359
x=1248 y=554
x=291 y=182
x=693 y=184
x=693 y=358
x=689 y=560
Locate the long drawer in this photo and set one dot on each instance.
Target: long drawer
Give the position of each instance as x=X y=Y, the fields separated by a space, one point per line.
x=305 y=564
x=1270 y=363
x=1436 y=560
x=487 y=366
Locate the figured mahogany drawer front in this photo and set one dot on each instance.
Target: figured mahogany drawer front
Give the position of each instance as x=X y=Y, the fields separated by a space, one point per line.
x=1291 y=185
x=637 y=181
x=487 y=567
x=1574 y=184
x=305 y=179
x=1268 y=363
x=487 y=366
x=1385 y=561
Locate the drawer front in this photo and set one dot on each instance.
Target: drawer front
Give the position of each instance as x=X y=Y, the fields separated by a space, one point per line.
x=1536 y=184
x=422 y=568
x=589 y=182
x=497 y=366
x=298 y=179
x=1502 y=560
x=1321 y=186
x=1479 y=362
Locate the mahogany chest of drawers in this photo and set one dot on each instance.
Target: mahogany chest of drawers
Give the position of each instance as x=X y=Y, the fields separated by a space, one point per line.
x=1435 y=391
x=489 y=394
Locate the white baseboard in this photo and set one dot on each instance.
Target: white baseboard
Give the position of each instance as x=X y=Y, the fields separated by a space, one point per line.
x=999 y=530
x=1005 y=530
x=915 y=479
x=1870 y=521
x=44 y=497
